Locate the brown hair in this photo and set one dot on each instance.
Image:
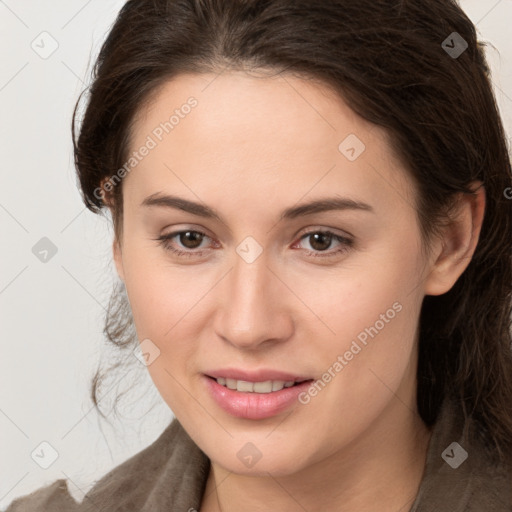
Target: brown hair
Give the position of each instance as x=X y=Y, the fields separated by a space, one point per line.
x=389 y=61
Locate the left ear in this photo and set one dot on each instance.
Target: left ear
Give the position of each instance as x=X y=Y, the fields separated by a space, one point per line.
x=457 y=245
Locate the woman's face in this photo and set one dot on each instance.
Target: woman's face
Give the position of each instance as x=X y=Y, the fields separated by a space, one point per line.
x=267 y=294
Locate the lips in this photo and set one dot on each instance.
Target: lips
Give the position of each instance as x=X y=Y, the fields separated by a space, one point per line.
x=254 y=395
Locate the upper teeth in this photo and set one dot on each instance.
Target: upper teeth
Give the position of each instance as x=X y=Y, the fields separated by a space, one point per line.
x=255 y=387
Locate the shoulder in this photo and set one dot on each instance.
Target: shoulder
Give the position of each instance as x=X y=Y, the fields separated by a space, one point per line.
x=51 y=498
x=460 y=473
x=491 y=483
x=171 y=472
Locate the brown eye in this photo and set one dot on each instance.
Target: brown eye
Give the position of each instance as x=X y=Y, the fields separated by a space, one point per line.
x=190 y=239
x=185 y=244
x=320 y=241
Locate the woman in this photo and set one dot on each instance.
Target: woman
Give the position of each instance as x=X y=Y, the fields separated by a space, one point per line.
x=312 y=229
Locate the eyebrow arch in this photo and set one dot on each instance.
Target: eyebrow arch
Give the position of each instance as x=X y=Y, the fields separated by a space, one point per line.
x=316 y=206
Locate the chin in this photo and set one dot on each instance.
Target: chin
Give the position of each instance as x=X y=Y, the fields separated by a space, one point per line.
x=249 y=460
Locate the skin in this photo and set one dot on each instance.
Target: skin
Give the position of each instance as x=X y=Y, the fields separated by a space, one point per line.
x=252 y=147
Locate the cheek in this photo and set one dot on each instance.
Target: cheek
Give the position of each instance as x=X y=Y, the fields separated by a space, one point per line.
x=160 y=293
x=165 y=309
x=165 y=303
x=371 y=308
x=354 y=295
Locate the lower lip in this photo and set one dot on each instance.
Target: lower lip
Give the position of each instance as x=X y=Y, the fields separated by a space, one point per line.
x=254 y=406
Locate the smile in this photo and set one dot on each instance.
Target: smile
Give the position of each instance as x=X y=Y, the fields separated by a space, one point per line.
x=257 y=399
x=267 y=386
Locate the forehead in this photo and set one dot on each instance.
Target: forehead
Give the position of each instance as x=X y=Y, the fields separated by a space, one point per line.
x=259 y=134
x=248 y=109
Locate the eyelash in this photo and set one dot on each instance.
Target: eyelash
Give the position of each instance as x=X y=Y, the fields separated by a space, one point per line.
x=347 y=243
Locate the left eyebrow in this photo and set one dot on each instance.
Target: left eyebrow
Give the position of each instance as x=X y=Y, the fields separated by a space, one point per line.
x=312 y=207
x=324 y=205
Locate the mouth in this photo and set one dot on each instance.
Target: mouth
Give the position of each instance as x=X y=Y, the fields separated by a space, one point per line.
x=267 y=386
x=258 y=396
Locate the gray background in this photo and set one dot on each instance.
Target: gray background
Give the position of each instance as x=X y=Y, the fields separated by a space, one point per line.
x=52 y=311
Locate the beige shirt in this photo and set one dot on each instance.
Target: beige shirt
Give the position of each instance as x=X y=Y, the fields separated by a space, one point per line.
x=170 y=475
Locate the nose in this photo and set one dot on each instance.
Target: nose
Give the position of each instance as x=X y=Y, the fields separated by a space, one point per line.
x=254 y=309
